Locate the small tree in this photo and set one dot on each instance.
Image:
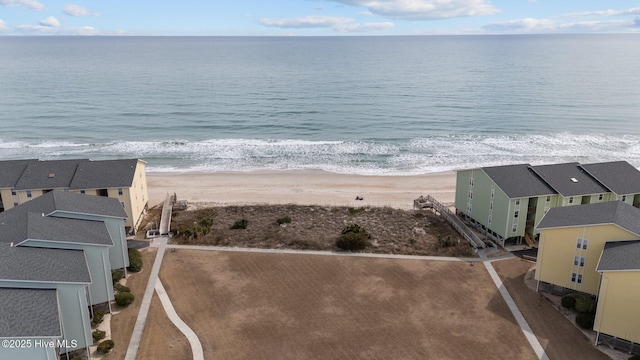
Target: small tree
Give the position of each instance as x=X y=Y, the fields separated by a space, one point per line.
x=353 y=238
x=135 y=260
x=124 y=299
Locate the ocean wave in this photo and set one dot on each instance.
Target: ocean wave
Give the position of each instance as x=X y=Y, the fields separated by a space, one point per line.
x=367 y=157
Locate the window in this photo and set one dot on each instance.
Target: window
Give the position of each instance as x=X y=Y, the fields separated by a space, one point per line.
x=515 y=214
x=514 y=228
x=82 y=191
x=29 y=193
x=120 y=191
x=517 y=202
x=471 y=182
x=585 y=242
x=122 y=202
x=579 y=244
x=470 y=194
x=571 y=200
x=578 y=260
x=600 y=197
x=582 y=260
x=548 y=198
x=491 y=205
x=573 y=277
x=15 y=204
x=493 y=192
x=624 y=198
x=489 y=220
x=579 y=278
x=13 y=192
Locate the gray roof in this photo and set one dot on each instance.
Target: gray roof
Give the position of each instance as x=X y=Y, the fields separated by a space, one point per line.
x=11 y=171
x=104 y=174
x=619 y=176
x=29 y=313
x=518 y=181
x=561 y=178
x=620 y=255
x=67 y=230
x=611 y=212
x=43 y=265
x=53 y=174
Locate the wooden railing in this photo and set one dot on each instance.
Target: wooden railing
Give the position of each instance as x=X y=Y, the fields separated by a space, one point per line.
x=165 y=218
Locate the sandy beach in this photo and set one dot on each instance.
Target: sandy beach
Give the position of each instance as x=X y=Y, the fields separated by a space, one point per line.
x=300 y=187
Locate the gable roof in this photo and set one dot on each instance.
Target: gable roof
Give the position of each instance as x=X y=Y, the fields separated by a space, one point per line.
x=11 y=171
x=611 y=212
x=619 y=176
x=43 y=265
x=620 y=255
x=569 y=179
x=518 y=181
x=29 y=313
x=67 y=230
x=104 y=174
x=47 y=174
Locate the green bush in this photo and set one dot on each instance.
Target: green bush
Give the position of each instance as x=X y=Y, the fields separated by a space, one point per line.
x=353 y=238
x=77 y=358
x=635 y=357
x=585 y=320
x=284 y=220
x=445 y=241
x=135 y=260
x=121 y=288
x=585 y=303
x=98 y=335
x=354 y=211
x=569 y=301
x=124 y=299
x=240 y=224
x=105 y=346
x=98 y=316
x=116 y=275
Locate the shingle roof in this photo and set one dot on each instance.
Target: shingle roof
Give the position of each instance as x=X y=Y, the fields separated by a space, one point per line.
x=611 y=212
x=47 y=174
x=569 y=179
x=29 y=313
x=518 y=181
x=43 y=265
x=67 y=230
x=11 y=170
x=619 y=176
x=104 y=174
x=620 y=255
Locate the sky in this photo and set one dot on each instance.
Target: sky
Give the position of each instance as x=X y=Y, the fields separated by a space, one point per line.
x=316 y=17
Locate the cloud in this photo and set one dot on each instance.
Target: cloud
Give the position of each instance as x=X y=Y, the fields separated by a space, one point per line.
x=49 y=30
x=530 y=25
x=424 y=9
x=632 y=11
x=50 y=22
x=77 y=10
x=31 y=4
x=341 y=24
x=3 y=26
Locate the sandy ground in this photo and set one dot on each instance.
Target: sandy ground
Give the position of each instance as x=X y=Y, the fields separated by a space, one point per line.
x=300 y=187
x=560 y=338
x=174 y=344
x=123 y=322
x=277 y=306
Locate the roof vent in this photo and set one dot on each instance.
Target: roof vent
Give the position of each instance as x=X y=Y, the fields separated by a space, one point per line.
x=52 y=175
x=574 y=180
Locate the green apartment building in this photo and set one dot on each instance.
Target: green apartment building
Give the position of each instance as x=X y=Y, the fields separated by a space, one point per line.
x=507 y=202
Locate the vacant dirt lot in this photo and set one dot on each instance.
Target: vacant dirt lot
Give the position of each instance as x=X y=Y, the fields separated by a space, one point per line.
x=559 y=337
x=393 y=231
x=284 y=306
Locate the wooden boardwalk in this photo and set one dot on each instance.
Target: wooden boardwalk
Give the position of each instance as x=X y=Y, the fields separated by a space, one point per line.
x=428 y=202
x=165 y=219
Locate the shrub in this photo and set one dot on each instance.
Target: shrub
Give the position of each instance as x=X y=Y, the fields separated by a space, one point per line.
x=121 y=288
x=353 y=211
x=284 y=220
x=105 y=346
x=135 y=260
x=98 y=335
x=585 y=320
x=445 y=241
x=124 y=299
x=116 y=275
x=353 y=238
x=569 y=301
x=98 y=316
x=240 y=224
x=585 y=303
x=77 y=358
x=635 y=357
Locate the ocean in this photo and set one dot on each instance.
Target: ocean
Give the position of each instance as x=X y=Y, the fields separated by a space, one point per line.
x=356 y=105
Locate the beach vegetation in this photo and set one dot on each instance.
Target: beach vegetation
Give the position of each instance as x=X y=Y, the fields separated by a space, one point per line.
x=353 y=238
x=124 y=299
x=135 y=260
x=284 y=220
x=105 y=346
x=356 y=210
x=445 y=241
x=240 y=224
x=116 y=275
